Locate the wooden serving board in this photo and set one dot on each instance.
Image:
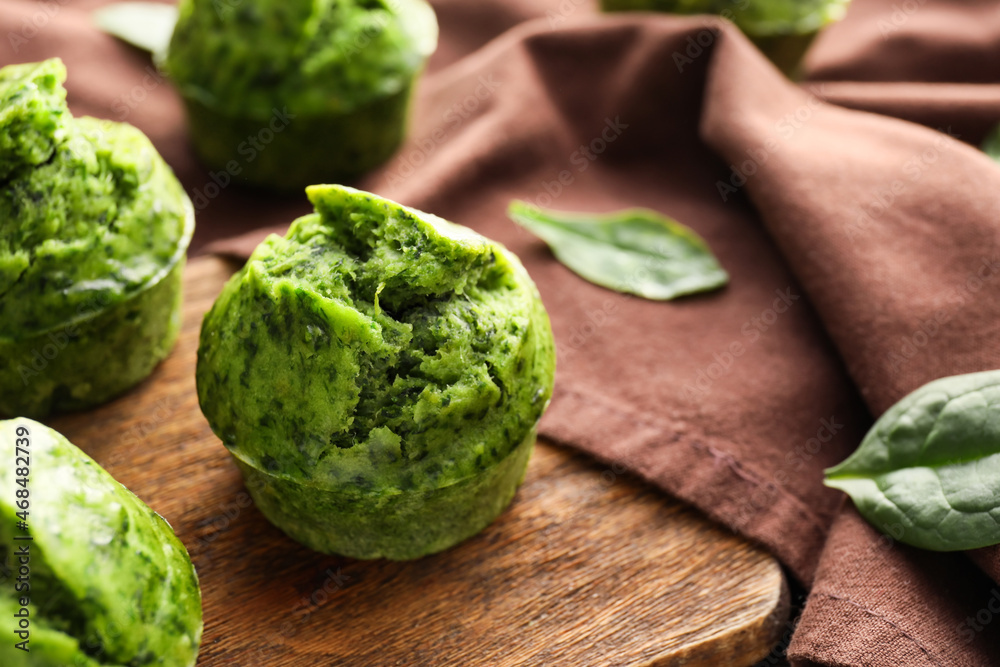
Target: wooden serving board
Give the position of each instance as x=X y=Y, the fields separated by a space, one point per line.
x=576 y=572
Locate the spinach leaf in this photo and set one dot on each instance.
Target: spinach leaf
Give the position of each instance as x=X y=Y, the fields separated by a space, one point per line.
x=930 y=466
x=637 y=251
x=991 y=144
x=145 y=25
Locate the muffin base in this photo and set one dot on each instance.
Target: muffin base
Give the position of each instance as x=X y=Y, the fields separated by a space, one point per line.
x=88 y=362
x=289 y=151
x=399 y=526
x=784 y=50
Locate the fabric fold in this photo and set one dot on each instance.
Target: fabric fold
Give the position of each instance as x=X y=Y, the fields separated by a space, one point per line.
x=892 y=230
x=944 y=41
x=876 y=601
x=966 y=111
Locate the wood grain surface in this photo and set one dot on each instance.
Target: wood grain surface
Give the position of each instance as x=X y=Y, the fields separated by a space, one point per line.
x=583 y=569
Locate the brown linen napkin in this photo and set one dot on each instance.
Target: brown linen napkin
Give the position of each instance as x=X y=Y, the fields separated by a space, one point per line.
x=734 y=401
x=935 y=62
x=893 y=232
x=940 y=41
x=966 y=111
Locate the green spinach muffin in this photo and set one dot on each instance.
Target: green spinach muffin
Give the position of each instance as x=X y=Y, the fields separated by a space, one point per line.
x=283 y=93
x=93 y=233
x=782 y=29
x=96 y=578
x=378 y=375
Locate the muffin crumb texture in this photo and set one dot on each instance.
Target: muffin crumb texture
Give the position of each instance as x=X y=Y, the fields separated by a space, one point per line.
x=89 y=212
x=110 y=583
x=375 y=350
x=318 y=58
x=94 y=228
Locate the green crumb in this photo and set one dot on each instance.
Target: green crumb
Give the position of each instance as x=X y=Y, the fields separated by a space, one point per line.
x=93 y=231
x=108 y=582
x=758 y=18
x=299 y=91
x=314 y=57
x=377 y=362
x=782 y=29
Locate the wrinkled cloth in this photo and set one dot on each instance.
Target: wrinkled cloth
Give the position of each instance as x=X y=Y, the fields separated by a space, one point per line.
x=934 y=62
x=864 y=254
